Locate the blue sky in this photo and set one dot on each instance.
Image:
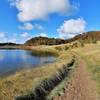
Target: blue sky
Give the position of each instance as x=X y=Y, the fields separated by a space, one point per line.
x=21 y=20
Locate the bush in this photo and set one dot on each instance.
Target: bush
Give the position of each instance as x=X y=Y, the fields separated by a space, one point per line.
x=59 y=48
x=82 y=43
x=94 y=41
x=66 y=47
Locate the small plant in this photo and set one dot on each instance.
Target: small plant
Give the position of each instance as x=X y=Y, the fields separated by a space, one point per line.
x=82 y=43
x=66 y=47
x=75 y=45
x=59 y=48
x=94 y=41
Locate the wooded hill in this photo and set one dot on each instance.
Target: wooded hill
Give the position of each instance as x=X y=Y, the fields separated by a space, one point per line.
x=86 y=37
x=44 y=41
x=9 y=44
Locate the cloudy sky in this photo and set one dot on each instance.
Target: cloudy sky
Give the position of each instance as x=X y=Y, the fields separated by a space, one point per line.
x=21 y=20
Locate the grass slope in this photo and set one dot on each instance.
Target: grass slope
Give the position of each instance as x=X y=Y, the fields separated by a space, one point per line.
x=90 y=53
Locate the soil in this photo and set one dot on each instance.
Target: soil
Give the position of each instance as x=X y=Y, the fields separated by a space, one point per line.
x=81 y=87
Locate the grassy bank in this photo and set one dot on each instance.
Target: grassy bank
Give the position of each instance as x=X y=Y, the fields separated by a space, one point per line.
x=46 y=86
x=36 y=50
x=24 y=81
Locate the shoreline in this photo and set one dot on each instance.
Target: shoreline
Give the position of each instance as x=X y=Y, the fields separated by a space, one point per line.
x=34 y=51
x=18 y=83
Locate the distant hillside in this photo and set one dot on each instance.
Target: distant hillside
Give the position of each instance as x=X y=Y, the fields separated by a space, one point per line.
x=85 y=37
x=44 y=41
x=8 y=44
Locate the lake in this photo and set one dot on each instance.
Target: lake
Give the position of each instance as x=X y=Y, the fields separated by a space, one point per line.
x=14 y=60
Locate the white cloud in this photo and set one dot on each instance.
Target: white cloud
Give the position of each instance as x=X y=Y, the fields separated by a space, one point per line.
x=2 y=34
x=26 y=26
x=3 y=40
x=72 y=27
x=38 y=27
x=29 y=26
x=26 y=35
x=41 y=9
x=42 y=35
x=15 y=38
x=3 y=37
x=66 y=36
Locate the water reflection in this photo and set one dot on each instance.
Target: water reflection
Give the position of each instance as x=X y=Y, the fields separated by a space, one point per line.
x=13 y=60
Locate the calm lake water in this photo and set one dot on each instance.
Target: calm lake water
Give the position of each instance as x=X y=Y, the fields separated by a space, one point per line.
x=14 y=60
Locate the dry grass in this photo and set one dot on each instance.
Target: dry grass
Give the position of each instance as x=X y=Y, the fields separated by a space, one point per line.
x=49 y=84
x=91 y=55
x=25 y=80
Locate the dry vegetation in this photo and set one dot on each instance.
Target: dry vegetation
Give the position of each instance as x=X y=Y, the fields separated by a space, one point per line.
x=90 y=53
x=42 y=91
x=24 y=81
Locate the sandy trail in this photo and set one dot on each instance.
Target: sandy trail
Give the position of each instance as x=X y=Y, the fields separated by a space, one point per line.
x=81 y=87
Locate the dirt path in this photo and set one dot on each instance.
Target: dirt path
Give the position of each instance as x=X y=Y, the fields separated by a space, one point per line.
x=81 y=86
